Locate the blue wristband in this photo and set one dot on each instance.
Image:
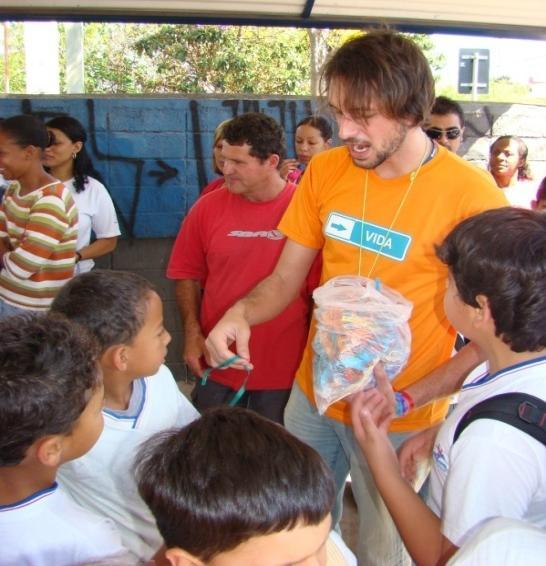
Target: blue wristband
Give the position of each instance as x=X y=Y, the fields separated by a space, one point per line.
x=402 y=404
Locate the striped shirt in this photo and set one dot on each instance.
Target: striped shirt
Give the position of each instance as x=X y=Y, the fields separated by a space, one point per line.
x=42 y=227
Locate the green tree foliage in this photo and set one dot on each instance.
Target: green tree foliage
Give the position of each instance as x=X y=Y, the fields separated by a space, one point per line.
x=16 y=57
x=136 y=58
x=111 y=62
x=152 y=58
x=435 y=60
x=133 y=58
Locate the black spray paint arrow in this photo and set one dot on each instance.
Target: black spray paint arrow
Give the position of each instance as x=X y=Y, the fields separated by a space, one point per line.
x=165 y=174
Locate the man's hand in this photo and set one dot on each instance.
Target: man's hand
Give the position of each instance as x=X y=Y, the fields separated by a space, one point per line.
x=414 y=451
x=232 y=327
x=194 y=349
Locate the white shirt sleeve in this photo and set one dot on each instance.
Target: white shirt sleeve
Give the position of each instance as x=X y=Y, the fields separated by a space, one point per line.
x=104 y=222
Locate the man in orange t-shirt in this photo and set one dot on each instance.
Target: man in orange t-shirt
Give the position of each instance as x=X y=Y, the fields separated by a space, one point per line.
x=375 y=208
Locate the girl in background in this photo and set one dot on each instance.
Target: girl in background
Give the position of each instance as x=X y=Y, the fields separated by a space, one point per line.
x=509 y=167
x=38 y=221
x=313 y=135
x=67 y=160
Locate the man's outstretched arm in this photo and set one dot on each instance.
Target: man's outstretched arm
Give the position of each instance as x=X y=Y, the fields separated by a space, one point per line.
x=448 y=377
x=267 y=300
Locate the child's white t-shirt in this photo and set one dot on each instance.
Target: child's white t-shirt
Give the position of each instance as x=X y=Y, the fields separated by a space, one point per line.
x=494 y=469
x=48 y=528
x=503 y=541
x=103 y=480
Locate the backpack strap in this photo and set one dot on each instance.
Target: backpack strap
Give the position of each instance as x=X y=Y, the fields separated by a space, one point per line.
x=522 y=411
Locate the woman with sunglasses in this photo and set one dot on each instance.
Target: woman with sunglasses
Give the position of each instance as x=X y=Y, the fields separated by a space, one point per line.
x=446 y=123
x=509 y=167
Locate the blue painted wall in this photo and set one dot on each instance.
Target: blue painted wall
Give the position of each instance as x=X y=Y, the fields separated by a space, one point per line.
x=154 y=153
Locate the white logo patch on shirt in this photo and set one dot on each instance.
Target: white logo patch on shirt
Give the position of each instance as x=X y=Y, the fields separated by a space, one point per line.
x=353 y=231
x=269 y=234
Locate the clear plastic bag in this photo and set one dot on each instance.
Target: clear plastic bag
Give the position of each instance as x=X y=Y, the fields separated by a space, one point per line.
x=359 y=323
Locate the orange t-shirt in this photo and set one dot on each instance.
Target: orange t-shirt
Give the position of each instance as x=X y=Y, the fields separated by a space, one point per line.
x=328 y=212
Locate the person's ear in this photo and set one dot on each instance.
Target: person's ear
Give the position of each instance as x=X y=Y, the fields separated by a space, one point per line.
x=49 y=450
x=116 y=357
x=180 y=557
x=273 y=161
x=482 y=313
x=328 y=142
x=77 y=146
x=30 y=151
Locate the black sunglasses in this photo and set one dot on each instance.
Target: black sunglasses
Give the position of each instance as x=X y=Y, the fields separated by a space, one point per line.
x=436 y=133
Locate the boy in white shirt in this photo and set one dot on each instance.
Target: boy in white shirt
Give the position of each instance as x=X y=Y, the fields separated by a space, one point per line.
x=496 y=296
x=50 y=412
x=234 y=488
x=125 y=315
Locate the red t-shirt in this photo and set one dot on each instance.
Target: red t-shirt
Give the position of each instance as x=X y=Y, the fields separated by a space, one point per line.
x=212 y=186
x=230 y=244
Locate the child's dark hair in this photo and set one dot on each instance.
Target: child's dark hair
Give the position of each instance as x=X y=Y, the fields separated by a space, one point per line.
x=83 y=166
x=319 y=123
x=110 y=304
x=25 y=130
x=48 y=371
x=264 y=136
x=229 y=476
x=501 y=254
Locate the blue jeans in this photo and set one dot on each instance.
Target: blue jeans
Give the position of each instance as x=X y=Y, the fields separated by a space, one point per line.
x=378 y=540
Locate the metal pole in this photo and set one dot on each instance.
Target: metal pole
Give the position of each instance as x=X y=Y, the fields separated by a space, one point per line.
x=6 y=59
x=74 y=58
x=475 y=67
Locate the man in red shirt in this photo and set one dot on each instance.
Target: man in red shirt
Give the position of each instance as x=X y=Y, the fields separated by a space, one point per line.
x=227 y=243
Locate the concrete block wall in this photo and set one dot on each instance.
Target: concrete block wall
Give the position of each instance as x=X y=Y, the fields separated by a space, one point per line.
x=485 y=123
x=154 y=154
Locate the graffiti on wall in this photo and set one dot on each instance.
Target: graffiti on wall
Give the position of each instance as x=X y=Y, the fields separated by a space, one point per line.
x=155 y=153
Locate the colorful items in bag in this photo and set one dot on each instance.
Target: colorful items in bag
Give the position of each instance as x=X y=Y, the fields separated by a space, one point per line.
x=359 y=323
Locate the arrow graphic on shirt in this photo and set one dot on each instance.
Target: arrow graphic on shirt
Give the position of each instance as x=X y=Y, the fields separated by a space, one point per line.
x=165 y=174
x=338 y=227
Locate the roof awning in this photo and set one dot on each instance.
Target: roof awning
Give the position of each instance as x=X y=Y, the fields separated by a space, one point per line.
x=524 y=18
